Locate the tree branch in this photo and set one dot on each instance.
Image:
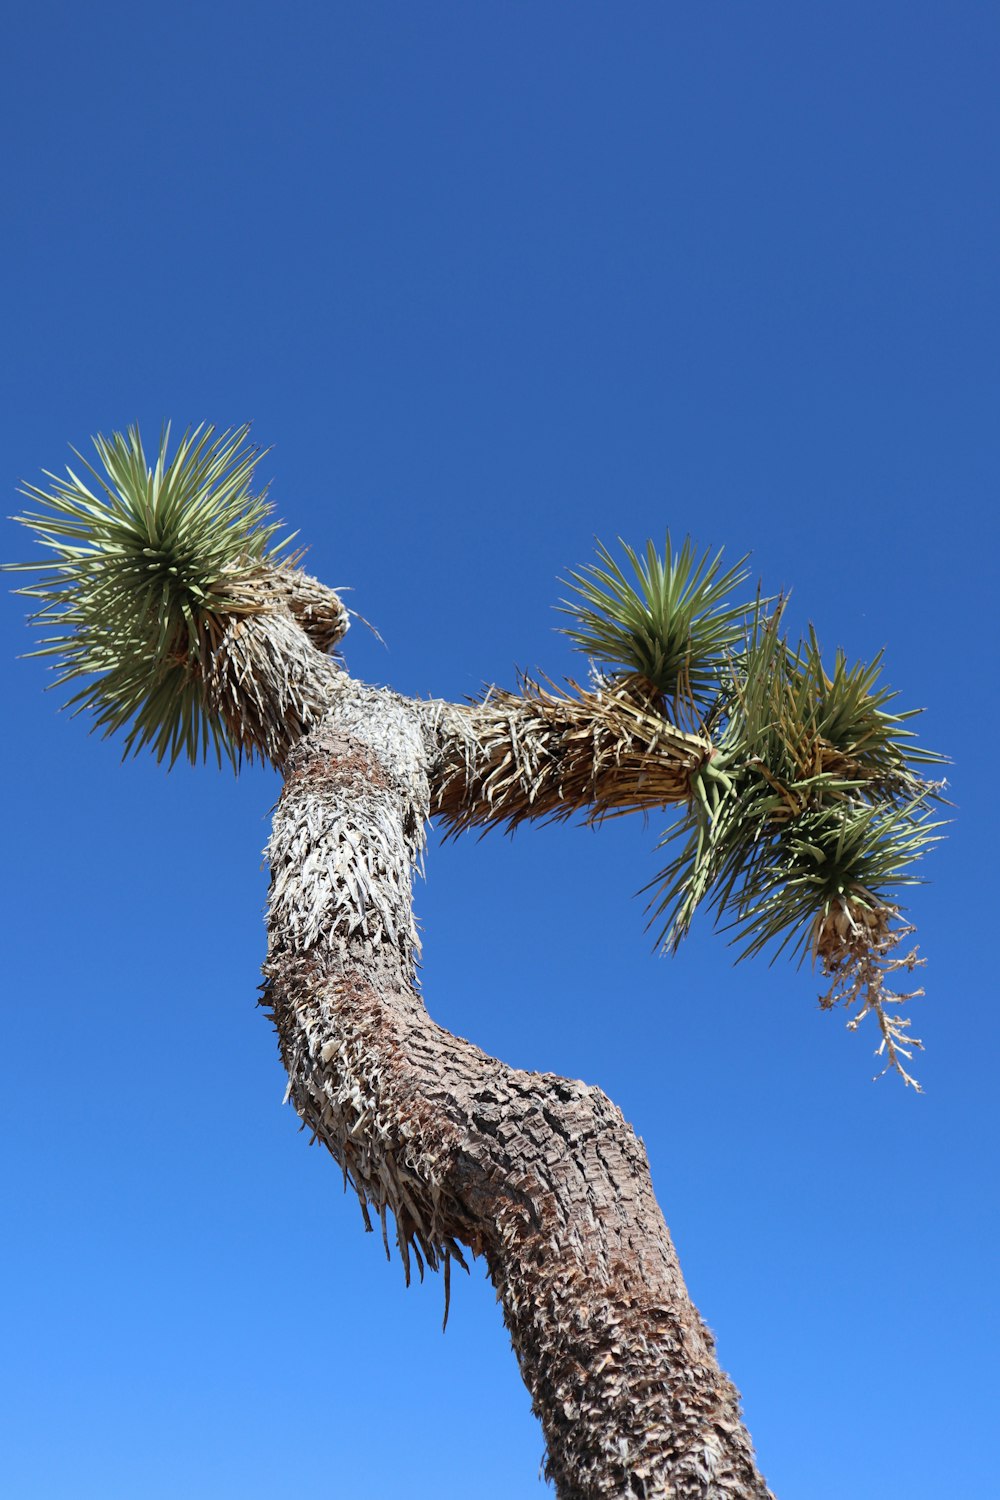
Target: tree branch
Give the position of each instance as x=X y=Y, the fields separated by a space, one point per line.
x=545 y=754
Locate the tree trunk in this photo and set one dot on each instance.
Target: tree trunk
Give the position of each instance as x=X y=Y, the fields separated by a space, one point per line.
x=538 y=1174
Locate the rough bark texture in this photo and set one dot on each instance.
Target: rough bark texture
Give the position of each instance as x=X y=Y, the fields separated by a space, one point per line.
x=538 y=1174
x=543 y=754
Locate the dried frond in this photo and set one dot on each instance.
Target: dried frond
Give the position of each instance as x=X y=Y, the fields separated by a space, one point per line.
x=855 y=945
x=547 y=754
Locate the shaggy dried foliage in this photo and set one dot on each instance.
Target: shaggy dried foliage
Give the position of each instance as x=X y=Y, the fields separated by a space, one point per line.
x=542 y=753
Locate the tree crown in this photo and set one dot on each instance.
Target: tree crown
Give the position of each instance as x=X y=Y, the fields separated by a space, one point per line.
x=804 y=798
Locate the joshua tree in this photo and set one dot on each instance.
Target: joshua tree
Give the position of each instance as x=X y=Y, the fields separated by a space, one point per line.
x=800 y=802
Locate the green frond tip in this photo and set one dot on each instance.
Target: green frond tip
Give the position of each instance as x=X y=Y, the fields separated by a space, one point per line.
x=143 y=561
x=823 y=883
x=806 y=814
x=664 y=617
x=812 y=789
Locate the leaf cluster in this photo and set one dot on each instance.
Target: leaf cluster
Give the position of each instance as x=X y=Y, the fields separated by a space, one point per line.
x=665 y=618
x=146 y=561
x=812 y=802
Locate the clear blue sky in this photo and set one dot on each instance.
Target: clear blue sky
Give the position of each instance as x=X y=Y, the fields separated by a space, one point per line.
x=492 y=279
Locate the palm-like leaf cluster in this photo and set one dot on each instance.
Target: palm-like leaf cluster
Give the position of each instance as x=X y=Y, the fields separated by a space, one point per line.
x=813 y=803
x=144 y=567
x=667 y=621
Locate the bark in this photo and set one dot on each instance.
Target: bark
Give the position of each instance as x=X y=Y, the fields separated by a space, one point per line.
x=543 y=754
x=538 y=1174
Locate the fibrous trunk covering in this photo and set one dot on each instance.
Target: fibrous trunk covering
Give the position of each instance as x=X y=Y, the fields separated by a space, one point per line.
x=538 y=1174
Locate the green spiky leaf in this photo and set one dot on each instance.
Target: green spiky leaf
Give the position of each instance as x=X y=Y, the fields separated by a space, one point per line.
x=849 y=857
x=667 y=618
x=804 y=760
x=144 y=561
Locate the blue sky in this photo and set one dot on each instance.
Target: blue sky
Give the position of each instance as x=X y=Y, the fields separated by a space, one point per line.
x=494 y=279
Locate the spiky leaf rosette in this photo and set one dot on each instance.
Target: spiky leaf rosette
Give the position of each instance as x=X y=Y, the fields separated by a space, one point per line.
x=668 y=619
x=811 y=805
x=146 y=564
